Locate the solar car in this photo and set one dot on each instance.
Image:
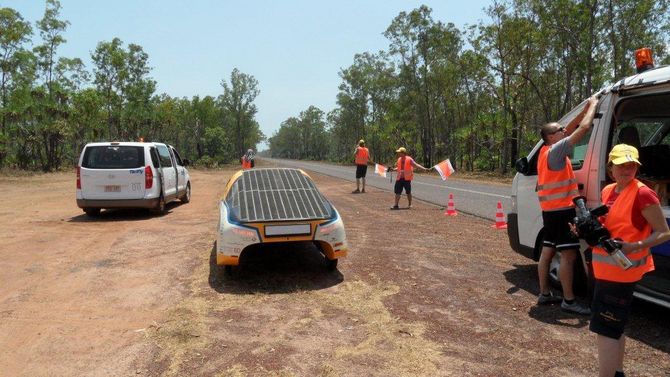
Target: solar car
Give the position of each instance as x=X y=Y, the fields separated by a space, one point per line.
x=265 y=206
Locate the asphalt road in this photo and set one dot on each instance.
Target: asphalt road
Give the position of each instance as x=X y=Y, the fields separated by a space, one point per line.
x=478 y=199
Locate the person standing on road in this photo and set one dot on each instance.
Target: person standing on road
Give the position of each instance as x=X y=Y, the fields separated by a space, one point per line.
x=556 y=187
x=634 y=216
x=361 y=158
x=248 y=160
x=405 y=167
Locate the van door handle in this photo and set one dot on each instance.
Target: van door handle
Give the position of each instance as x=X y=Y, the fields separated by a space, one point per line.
x=580 y=186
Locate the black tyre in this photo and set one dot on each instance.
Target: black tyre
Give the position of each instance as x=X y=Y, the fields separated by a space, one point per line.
x=187 y=195
x=93 y=212
x=228 y=270
x=331 y=264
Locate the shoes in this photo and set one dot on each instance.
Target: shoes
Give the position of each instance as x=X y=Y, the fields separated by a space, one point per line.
x=356 y=191
x=395 y=207
x=575 y=308
x=551 y=299
x=363 y=191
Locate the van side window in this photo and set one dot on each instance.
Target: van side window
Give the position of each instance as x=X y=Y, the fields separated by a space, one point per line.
x=164 y=155
x=154 y=157
x=579 y=151
x=177 y=157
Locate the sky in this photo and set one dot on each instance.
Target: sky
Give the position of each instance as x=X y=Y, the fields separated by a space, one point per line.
x=295 y=49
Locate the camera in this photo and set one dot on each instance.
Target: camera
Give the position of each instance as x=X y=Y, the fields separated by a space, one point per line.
x=595 y=234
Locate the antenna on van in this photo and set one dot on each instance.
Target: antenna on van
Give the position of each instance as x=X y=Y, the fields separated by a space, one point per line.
x=643 y=59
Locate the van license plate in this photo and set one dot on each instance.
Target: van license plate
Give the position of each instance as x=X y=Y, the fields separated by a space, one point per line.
x=113 y=188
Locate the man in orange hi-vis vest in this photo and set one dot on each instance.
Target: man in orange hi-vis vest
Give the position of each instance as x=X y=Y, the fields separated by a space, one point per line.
x=361 y=158
x=556 y=187
x=636 y=218
x=405 y=167
x=248 y=160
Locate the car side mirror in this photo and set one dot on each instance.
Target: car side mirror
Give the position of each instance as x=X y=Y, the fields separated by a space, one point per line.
x=186 y=162
x=521 y=165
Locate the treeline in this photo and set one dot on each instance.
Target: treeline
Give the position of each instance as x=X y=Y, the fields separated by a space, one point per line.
x=52 y=105
x=478 y=95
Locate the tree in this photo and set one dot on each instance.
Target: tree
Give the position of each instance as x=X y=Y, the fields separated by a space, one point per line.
x=15 y=33
x=238 y=100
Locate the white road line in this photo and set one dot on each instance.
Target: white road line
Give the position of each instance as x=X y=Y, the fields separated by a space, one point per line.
x=464 y=190
x=339 y=170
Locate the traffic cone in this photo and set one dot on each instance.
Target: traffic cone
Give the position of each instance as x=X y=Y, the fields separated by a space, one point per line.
x=451 y=210
x=500 y=218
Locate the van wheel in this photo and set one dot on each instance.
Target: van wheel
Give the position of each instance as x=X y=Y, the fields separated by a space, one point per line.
x=160 y=206
x=93 y=212
x=187 y=195
x=331 y=264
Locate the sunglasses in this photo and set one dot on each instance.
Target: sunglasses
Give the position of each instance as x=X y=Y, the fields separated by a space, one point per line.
x=560 y=129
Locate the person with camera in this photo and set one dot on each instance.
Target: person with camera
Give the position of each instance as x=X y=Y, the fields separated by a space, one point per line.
x=636 y=221
x=556 y=187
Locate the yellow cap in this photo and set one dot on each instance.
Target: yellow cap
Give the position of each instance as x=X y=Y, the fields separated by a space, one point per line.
x=622 y=153
x=401 y=150
x=361 y=142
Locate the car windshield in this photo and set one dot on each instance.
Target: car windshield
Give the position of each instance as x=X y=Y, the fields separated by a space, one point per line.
x=113 y=157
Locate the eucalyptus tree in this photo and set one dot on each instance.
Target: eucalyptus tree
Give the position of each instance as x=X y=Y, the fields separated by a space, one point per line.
x=238 y=100
x=109 y=60
x=15 y=34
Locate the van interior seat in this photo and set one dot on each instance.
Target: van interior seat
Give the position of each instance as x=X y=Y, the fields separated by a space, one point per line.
x=655 y=161
x=629 y=135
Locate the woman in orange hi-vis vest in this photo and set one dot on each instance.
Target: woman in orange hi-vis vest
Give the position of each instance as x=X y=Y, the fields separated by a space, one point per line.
x=636 y=218
x=405 y=167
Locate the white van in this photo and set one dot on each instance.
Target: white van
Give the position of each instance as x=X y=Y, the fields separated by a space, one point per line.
x=635 y=111
x=131 y=175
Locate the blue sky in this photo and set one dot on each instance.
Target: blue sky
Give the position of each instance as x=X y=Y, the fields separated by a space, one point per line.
x=294 y=48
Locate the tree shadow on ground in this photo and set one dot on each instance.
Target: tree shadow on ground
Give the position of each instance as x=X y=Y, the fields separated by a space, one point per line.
x=648 y=322
x=274 y=268
x=123 y=214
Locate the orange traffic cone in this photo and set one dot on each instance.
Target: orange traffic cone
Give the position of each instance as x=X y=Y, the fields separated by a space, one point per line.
x=451 y=210
x=500 y=218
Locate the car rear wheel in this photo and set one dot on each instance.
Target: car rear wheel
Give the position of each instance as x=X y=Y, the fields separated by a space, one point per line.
x=93 y=212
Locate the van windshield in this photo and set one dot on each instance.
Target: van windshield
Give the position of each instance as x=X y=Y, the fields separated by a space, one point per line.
x=113 y=157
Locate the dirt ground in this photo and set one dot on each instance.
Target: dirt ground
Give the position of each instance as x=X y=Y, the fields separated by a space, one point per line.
x=420 y=294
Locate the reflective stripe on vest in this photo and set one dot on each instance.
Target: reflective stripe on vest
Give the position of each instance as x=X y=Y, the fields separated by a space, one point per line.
x=406 y=171
x=619 y=222
x=362 y=156
x=555 y=188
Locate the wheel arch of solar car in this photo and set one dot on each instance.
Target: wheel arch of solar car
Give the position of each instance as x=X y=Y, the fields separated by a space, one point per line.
x=272 y=205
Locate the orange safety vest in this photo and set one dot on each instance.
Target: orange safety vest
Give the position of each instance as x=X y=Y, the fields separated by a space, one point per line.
x=555 y=188
x=405 y=169
x=246 y=163
x=362 y=156
x=619 y=222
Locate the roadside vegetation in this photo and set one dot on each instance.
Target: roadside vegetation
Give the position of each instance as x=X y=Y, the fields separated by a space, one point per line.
x=475 y=95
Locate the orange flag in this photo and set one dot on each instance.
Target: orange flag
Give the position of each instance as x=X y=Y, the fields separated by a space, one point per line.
x=444 y=168
x=380 y=169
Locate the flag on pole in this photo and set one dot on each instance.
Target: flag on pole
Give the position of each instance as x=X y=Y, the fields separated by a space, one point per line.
x=380 y=169
x=444 y=168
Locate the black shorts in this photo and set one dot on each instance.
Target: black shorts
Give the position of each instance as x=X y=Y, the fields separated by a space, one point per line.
x=557 y=232
x=611 y=308
x=361 y=170
x=400 y=184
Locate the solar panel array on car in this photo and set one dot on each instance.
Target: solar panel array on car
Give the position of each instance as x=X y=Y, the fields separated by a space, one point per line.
x=276 y=195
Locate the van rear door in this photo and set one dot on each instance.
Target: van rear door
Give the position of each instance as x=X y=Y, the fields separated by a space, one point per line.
x=112 y=172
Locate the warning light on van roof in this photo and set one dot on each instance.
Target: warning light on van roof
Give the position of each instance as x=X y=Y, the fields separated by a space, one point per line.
x=643 y=59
